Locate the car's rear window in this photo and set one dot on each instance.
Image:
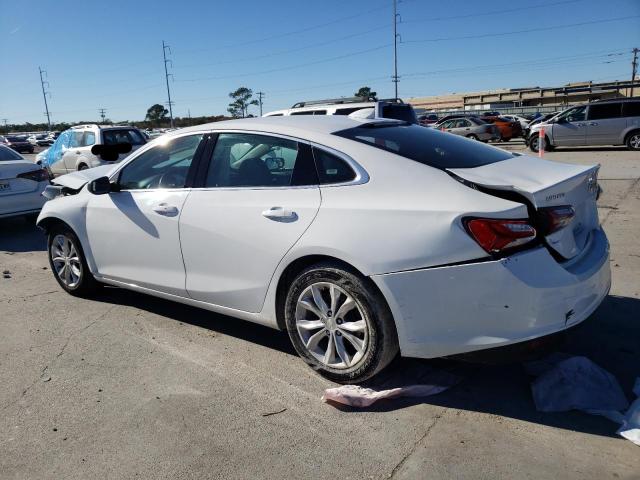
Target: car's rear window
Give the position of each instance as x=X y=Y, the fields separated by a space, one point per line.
x=113 y=136
x=7 y=154
x=426 y=145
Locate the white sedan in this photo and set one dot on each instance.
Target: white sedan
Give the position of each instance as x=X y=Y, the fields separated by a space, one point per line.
x=362 y=238
x=21 y=184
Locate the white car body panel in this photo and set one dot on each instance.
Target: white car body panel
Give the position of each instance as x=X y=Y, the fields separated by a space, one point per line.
x=401 y=227
x=19 y=196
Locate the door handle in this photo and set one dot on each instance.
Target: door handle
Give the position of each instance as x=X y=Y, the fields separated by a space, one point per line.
x=279 y=213
x=165 y=209
x=593 y=124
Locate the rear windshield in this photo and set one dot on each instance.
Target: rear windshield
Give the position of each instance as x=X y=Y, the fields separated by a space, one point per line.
x=113 y=136
x=426 y=145
x=8 y=154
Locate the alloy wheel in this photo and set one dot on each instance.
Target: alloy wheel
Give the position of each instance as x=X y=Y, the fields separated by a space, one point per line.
x=331 y=325
x=66 y=261
x=634 y=141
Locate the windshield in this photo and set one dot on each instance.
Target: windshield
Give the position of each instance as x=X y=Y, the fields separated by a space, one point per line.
x=573 y=114
x=8 y=154
x=426 y=145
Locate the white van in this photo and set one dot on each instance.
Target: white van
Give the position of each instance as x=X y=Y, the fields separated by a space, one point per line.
x=371 y=108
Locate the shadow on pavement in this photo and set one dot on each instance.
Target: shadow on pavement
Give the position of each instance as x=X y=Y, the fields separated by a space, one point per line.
x=609 y=338
x=234 y=327
x=20 y=234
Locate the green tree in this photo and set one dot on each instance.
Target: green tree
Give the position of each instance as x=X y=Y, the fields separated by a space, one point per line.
x=366 y=93
x=242 y=99
x=156 y=113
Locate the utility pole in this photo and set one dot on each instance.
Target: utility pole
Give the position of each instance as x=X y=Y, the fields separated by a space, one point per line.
x=166 y=77
x=44 y=95
x=634 y=68
x=395 y=47
x=102 y=113
x=5 y=125
x=260 y=95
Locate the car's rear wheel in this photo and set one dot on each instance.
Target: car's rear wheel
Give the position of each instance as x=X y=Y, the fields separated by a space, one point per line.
x=82 y=166
x=339 y=323
x=68 y=263
x=633 y=141
x=472 y=137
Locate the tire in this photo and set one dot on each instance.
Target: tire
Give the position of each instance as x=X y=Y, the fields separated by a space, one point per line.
x=324 y=340
x=505 y=139
x=472 y=137
x=78 y=281
x=633 y=140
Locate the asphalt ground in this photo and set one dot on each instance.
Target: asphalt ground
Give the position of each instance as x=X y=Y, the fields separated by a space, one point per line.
x=130 y=386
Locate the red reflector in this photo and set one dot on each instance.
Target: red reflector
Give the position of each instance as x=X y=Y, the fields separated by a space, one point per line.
x=37 y=175
x=555 y=218
x=496 y=235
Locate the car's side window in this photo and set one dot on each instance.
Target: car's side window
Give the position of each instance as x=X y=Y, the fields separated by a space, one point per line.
x=604 y=111
x=89 y=139
x=76 y=138
x=163 y=166
x=250 y=160
x=331 y=168
x=631 y=109
x=574 y=115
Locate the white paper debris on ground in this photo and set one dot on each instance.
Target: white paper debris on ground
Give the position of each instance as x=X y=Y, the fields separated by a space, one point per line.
x=435 y=381
x=576 y=383
x=630 y=428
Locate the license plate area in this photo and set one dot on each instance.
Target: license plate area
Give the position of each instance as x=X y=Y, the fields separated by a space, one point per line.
x=4 y=186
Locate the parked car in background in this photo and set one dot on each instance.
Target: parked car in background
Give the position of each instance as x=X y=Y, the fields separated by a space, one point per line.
x=604 y=122
x=356 y=106
x=508 y=128
x=428 y=119
x=42 y=156
x=21 y=184
x=19 y=143
x=72 y=149
x=472 y=128
x=536 y=121
x=524 y=122
x=361 y=238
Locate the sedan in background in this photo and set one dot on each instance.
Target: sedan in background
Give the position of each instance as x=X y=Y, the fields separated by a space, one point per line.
x=472 y=128
x=363 y=239
x=19 y=144
x=21 y=184
x=508 y=128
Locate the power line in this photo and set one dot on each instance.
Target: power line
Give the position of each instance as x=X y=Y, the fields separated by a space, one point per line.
x=44 y=95
x=166 y=77
x=540 y=29
x=492 y=12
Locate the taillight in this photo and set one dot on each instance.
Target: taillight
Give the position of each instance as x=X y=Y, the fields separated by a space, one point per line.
x=553 y=219
x=496 y=235
x=36 y=175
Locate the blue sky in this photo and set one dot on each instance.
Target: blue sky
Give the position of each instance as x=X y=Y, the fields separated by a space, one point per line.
x=109 y=54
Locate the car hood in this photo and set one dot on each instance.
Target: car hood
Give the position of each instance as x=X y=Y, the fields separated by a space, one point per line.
x=77 y=180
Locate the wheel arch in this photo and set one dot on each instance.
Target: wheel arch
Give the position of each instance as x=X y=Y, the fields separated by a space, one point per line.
x=298 y=265
x=629 y=133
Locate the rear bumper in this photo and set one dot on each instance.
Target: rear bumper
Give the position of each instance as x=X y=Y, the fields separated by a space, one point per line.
x=23 y=203
x=457 y=309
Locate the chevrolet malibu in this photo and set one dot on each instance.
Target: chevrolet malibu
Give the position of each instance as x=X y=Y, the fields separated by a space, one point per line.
x=364 y=239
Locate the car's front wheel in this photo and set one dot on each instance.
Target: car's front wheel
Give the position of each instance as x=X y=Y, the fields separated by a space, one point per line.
x=68 y=263
x=633 y=141
x=339 y=323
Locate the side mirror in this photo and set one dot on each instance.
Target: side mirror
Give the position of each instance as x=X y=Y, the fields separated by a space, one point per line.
x=100 y=186
x=111 y=153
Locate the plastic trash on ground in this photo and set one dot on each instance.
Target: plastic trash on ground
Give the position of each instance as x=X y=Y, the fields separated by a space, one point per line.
x=360 y=397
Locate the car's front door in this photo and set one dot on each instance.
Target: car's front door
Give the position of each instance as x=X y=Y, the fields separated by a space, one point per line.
x=57 y=152
x=133 y=233
x=71 y=155
x=570 y=128
x=605 y=123
x=259 y=195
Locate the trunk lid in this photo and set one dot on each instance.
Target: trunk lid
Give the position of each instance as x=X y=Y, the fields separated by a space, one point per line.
x=546 y=184
x=9 y=171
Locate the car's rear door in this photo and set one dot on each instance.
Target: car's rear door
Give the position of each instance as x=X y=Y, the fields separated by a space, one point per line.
x=605 y=123
x=133 y=231
x=257 y=195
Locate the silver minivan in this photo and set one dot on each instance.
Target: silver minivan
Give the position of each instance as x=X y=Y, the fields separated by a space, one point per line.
x=606 y=122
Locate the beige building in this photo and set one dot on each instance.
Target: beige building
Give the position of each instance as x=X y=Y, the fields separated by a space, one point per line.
x=531 y=98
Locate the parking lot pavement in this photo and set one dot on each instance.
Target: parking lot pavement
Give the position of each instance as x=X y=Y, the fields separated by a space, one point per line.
x=127 y=385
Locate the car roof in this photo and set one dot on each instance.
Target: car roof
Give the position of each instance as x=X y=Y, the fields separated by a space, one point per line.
x=303 y=126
